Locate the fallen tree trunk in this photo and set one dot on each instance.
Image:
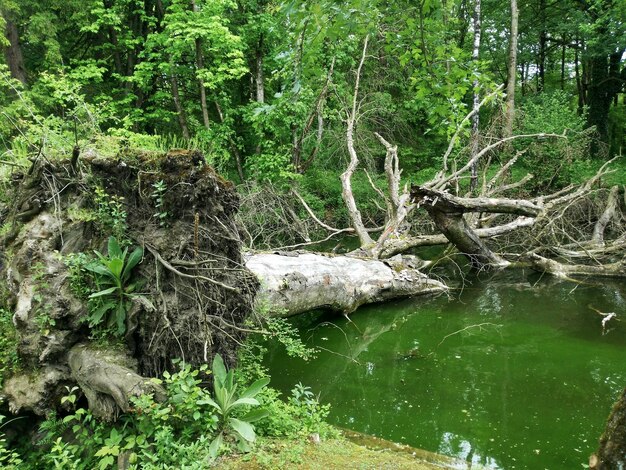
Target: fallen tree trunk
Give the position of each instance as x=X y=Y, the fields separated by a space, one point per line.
x=300 y=282
x=447 y=212
x=612 y=452
x=539 y=263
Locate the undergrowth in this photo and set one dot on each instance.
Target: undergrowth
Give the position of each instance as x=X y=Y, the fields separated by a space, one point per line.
x=190 y=429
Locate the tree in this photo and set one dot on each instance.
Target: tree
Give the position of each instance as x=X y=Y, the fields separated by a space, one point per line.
x=512 y=71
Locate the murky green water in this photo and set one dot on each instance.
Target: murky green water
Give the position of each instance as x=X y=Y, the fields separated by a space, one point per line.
x=512 y=372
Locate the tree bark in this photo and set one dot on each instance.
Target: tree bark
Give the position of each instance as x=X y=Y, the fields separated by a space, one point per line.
x=346 y=176
x=260 y=76
x=180 y=111
x=543 y=42
x=610 y=211
x=200 y=66
x=557 y=269
x=612 y=452
x=512 y=69
x=299 y=282
x=13 y=51
x=605 y=84
x=108 y=380
x=476 y=98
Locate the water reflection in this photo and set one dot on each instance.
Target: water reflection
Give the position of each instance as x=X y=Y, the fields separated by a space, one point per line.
x=514 y=372
x=462 y=449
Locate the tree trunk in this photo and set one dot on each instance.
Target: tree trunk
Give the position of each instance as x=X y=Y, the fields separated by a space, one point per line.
x=346 y=176
x=512 y=70
x=299 y=282
x=604 y=86
x=13 y=51
x=610 y=212
x=543 y=43
x=579 y=82
x=260 y=76
x=200 y=66
x=563 y=54
x=476 y=100
x=557 y=269
x=180 y=111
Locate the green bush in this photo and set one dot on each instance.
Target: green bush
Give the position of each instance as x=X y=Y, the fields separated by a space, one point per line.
x=321 y=189
x=184 y=431
x=554 y=162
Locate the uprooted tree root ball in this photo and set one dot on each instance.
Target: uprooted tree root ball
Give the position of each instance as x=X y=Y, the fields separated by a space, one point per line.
x=192 y=290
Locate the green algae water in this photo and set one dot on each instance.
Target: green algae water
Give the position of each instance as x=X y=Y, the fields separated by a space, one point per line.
x=511 y=372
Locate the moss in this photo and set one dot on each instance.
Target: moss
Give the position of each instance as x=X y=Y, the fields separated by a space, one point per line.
x=333 y=453
x=9 y=361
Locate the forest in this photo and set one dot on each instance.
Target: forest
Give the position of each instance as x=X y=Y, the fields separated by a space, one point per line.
x=215 y=215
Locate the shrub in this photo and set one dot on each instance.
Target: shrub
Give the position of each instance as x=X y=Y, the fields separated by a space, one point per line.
x=558 y=162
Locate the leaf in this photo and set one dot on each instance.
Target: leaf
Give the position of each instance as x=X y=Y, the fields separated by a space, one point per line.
x=116 y=265
x=106 y=462
x=114 y=248
x=96 y=316
x=255 y=415
x=98 y=269
x=229 y=382
x=214 y=448
x=133 y=260
x=120 y=316
x=245 y=430
x=102 y=293
x=255 y=388
x=246 y=401
x=209 y=401
x=219 y=370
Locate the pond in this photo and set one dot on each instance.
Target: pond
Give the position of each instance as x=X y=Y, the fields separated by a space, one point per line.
x=511 y=371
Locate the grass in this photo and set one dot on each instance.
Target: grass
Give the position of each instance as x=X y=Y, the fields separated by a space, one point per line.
x=335 y=454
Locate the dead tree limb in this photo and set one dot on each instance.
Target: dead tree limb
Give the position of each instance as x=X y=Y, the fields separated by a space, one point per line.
x=617 y=269
x=609 y=213
x=346 y=176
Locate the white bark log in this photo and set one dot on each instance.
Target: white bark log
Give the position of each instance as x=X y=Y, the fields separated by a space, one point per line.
x=301 y=282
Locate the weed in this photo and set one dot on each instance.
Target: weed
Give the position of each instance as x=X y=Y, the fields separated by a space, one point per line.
x=113 y=279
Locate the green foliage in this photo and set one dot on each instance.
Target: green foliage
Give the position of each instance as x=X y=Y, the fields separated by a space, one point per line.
x=9 y=458
x=110 y=214
x=227 y=402
x=79 y=275
x=158 y=192
x=560 y=161
x=187 y=430
x=321 y=188
x=276 y=328
x=113 y=279
x=43 y=320
x=9 y=360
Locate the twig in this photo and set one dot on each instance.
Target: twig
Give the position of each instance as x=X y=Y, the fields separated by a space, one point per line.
x=480 y=326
